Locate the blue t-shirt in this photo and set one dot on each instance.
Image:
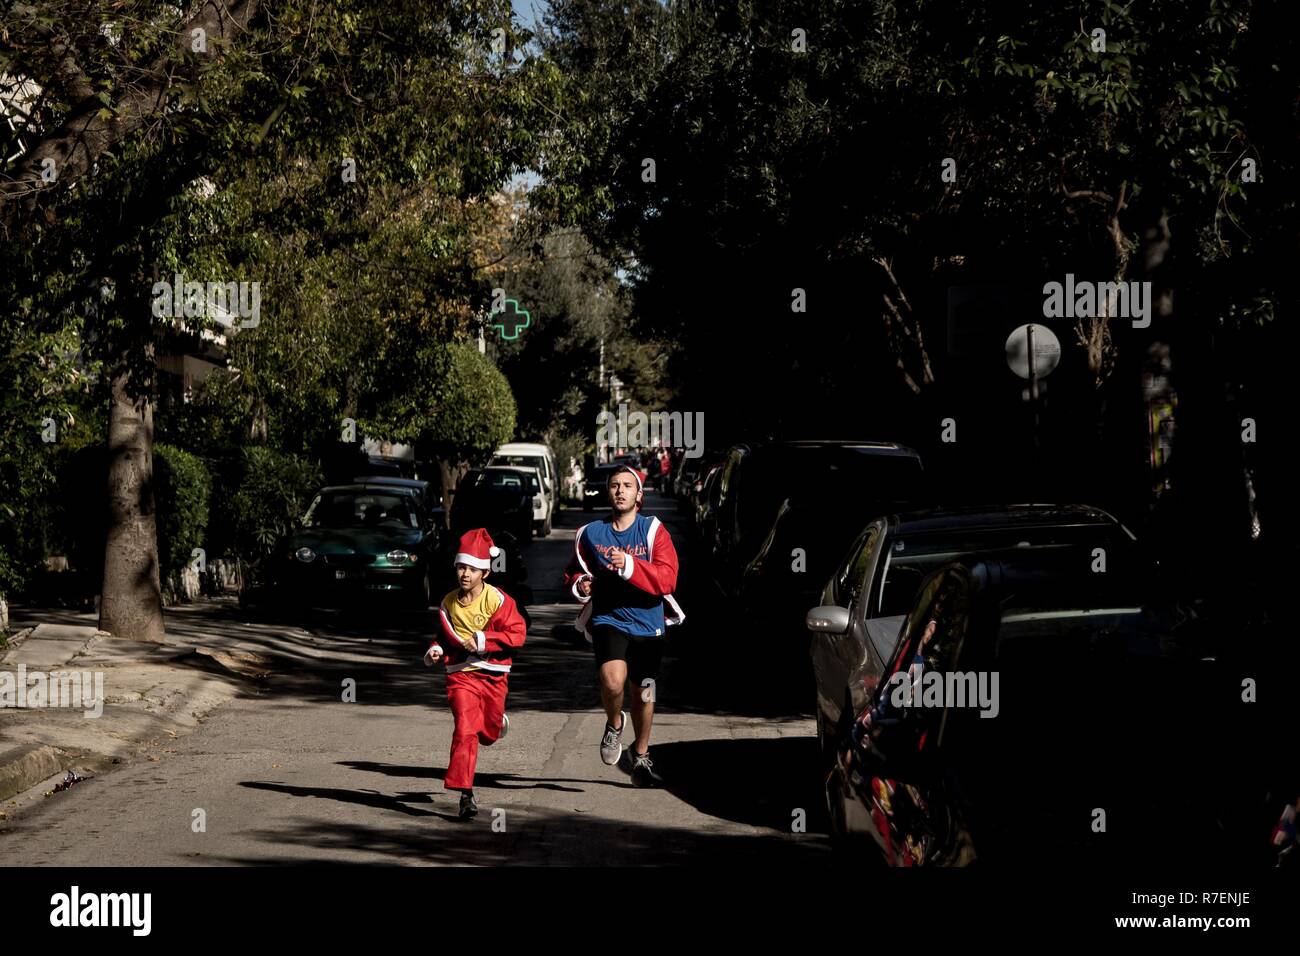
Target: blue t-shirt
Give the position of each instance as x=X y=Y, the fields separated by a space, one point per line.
x=617 y=602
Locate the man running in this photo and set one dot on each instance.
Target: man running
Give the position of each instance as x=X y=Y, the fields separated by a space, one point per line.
x=624 y=569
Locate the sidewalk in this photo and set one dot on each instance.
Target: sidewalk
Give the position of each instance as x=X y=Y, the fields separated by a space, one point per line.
x=128 y=699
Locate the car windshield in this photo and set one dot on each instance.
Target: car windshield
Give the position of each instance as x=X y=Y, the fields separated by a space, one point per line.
x=363 y=509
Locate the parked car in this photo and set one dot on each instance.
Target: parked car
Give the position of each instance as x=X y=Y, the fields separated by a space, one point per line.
x=429 y=494
x=595 y=486
x=805 y=544
x=757 y=479
x=857 y=620
x=1069 y=724
x=530 y=455
x=498 y=499
x=695 y=492
x=706 y=503
x=688 y=471
x=390 y=467
x=356 y=539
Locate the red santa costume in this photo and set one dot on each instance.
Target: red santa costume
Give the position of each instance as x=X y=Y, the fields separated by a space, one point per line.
x=477 y=643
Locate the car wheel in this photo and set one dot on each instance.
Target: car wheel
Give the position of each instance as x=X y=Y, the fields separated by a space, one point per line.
x=834 y=812
x=823 y=741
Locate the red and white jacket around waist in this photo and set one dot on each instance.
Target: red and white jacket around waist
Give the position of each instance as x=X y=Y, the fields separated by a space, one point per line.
x=504 y=632
x=655 y=575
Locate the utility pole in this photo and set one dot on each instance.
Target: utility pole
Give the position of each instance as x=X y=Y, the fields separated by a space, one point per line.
x=1033 y=380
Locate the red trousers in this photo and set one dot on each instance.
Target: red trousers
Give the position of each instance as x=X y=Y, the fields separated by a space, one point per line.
x=478 y=701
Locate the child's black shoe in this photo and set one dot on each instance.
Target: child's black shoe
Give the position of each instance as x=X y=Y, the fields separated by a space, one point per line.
x=468 y=806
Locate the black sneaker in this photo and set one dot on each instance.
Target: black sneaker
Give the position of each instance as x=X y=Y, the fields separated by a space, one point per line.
x=643 y=770
x=468 y=806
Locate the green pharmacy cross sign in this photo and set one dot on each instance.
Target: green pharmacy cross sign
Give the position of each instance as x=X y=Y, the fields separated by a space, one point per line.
x=512 y=321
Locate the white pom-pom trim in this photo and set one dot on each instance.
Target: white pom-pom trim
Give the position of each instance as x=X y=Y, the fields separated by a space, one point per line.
x=494 y=551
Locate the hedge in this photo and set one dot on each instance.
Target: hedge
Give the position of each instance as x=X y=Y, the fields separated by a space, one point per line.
x=182 y=491
x=271 y=490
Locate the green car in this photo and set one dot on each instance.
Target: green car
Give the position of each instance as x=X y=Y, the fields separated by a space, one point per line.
x=359 y=540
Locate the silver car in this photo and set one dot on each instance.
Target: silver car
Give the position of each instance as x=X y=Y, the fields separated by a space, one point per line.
x=856 y=626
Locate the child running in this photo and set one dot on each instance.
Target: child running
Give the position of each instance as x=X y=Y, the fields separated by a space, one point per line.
x=478 y=629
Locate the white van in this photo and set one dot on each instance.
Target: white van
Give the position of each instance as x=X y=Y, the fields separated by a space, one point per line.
x=527 y=455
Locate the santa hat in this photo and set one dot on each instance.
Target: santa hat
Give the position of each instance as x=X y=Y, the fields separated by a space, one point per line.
x=476 y=549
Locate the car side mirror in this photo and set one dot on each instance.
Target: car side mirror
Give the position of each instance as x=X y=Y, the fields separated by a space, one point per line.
x=828 y=619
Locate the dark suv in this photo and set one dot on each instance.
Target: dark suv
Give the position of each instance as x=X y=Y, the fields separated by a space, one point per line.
x=757 y=480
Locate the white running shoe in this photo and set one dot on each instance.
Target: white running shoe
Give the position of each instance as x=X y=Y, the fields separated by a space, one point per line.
x=611 y=746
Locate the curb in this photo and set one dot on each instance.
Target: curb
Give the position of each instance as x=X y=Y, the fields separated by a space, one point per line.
x=24 y=767
x=27 y=635
x=15 y=640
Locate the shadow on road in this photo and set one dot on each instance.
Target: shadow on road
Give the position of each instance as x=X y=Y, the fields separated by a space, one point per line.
x=761 y=782
x=502 y=781
x=364 y=798
x=528 y=836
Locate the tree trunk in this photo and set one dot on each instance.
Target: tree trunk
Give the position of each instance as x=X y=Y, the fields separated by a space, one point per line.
x=451 y=473
x=131 y=602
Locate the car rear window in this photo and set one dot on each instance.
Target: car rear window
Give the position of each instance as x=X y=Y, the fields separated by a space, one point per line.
x=523 y=461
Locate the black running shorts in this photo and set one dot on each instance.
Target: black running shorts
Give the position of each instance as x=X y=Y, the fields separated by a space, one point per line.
x=643 y=654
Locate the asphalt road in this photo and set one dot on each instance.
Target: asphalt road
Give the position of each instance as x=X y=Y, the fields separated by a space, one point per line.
x=289 y=772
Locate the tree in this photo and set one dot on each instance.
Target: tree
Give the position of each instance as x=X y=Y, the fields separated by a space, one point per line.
x=810 y=169
x=146 y=121
x=470 y=411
